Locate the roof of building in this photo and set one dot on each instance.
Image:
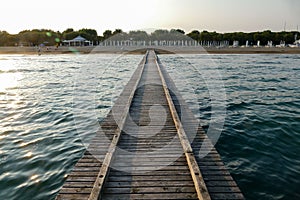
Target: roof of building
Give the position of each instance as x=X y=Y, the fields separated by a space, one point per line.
x=77 y=39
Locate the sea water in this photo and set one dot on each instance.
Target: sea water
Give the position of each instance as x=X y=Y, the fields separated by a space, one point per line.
x=50 y=107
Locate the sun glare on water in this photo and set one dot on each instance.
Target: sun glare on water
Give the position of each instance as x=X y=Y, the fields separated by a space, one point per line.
x=8 y=80
x=9 y=76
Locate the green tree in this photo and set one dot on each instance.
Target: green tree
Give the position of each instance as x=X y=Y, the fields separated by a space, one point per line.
x=160 y=34
x=89 y=34
x=7 y=39
x=107 y=34
x=180 y=31
x=117 y=31
x=38 y=37
x=69 y=30
x=195 y=35
x=70 y=35
x=138 y=35
x=50 y=37
x=205 y=36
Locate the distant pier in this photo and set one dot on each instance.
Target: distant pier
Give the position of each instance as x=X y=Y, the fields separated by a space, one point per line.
x=148 y=148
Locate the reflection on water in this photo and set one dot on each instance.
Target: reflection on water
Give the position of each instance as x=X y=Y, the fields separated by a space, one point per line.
x=9 y=80
x=8 y=76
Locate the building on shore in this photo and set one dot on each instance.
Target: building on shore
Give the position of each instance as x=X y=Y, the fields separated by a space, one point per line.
x=78 y=41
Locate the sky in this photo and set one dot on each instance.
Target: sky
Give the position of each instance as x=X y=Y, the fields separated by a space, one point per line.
x=211 y=15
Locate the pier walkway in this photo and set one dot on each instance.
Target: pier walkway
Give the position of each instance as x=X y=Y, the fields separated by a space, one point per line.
x=148 y=148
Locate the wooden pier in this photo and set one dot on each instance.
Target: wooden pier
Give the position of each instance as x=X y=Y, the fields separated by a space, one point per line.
x=148 y=148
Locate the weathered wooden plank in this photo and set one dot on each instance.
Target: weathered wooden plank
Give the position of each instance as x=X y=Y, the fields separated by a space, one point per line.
x=153 y=183
x=81 y=179
x=72 y=196
x=228 y=189
x=145 y=162
x=152 y=168
x=210 y=163
x=86 y=169
x=217 y=178
x=155 y=178
x=227 y=196
x=86 y=160
x=152 y=157
x=220 y=183
x=80 y=184
x=163 y=196
x=152 y=190
x=75 y=190
x=83 y=174
x=216 y=172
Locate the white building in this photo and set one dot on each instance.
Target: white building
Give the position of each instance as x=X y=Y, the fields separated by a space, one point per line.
x=78 y=41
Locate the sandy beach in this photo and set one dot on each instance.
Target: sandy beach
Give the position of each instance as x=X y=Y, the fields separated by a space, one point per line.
x=141 y=50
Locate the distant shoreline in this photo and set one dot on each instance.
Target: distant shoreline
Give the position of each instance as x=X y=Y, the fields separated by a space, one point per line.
x=140 y=50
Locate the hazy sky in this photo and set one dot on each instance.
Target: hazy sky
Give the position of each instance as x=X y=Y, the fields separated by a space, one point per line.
x=211 y=15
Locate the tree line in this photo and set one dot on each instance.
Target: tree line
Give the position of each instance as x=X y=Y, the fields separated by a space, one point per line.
x=252 y=38
x=49 y=37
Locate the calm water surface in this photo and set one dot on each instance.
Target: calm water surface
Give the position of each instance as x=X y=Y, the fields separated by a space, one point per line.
x=50 y=107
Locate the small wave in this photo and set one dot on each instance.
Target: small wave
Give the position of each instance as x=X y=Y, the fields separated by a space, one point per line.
x=276 y=80
x=57 y=61
x=268 y=62
x=25 y=71
x=102 y=107
x=53 y=84
x=12 y=71
x=238 y=105
x=65 y=117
